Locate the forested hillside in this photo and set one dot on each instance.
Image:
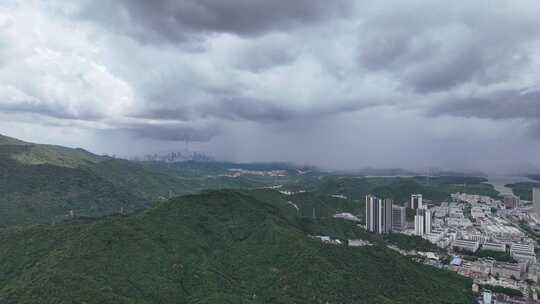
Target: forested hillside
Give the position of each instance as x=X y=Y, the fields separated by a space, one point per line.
x=48 y=184
x=217 y=247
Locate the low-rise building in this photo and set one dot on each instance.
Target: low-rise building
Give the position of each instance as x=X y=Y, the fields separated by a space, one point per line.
x=481 y=269
x=440 y=212
x=511 y=201
x=459 y=222
x=466 y=245
x=523 y=252
x=494 y=246
x=398 y=218
x=534 y=272
x=506 y=270
x=477 y=212
x=502 y=231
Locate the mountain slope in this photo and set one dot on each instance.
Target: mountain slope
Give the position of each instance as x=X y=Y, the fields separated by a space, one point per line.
x=5 y=140
x=217 y=247
x=44 y=183
x=45 y=192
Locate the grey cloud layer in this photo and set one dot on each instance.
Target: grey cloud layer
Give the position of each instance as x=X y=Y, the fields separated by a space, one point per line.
x=178 y=21
x=205 y=70
x=171 y=132
x=450 y=44
x=506 y=104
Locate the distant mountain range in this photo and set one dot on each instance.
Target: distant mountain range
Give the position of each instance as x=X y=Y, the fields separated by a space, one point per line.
x=50 y=184
x=409 y=172
x=47 y=183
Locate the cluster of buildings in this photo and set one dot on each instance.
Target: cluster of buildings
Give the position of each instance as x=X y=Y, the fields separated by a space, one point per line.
x=482 y=233
x=234 y=172
x=378 y=215
x=489 y=230
x=382 y=216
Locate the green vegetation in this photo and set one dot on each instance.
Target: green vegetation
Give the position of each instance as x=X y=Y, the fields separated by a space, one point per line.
x=409 y=214
x=4 y=140
x=44 y=184
x=523 y=189
x=45 y=193
x=215 y=247
x=213 y=168
x=436 y=189
x=504 y=290
x=535 y=234
x=55 y=156
x=336 y=228
x=463 y=184
x=156 y=185
x=496 y=255
x=324 y=205
x=410 y=242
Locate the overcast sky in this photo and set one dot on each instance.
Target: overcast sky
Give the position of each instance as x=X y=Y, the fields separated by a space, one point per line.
x=340 y=84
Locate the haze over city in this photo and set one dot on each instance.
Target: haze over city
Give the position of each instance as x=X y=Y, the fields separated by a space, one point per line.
x=337 y=84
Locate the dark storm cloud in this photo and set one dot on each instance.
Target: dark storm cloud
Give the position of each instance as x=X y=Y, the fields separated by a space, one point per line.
x=260 y=58
x=171 y=132
x=304 y=80
x=437 y=48
x=232 y=106
x=507 y=104
x=240 y=108
x=243 y=108
x=177 y=21
x=445 y=73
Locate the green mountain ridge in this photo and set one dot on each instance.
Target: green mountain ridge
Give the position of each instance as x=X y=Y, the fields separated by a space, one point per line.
x=523 y=189
x=47 y=183
x=6 y=140
x=215 y=247
x=39 y=154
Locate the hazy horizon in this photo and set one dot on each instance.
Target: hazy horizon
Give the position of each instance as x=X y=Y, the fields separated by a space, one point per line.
x=339 y=85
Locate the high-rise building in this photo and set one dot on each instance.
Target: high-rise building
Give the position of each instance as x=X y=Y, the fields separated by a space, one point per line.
x=510 y=201
x=419 y=222
x=378 y=215
x=427 y=221
x=487 y=297
x=536 y=200
x=398 y=218
x=422 y=221
x=416 y=201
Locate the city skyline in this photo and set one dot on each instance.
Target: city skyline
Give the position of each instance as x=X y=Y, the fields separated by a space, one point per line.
x=433 y=84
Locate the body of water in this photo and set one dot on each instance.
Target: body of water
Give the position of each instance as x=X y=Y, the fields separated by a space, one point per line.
x=499 y=181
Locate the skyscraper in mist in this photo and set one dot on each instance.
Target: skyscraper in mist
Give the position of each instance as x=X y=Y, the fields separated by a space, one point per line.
x=378 y=215
x=536 y=200
x=416 y=201
x=422 y=221
x=398 y=218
